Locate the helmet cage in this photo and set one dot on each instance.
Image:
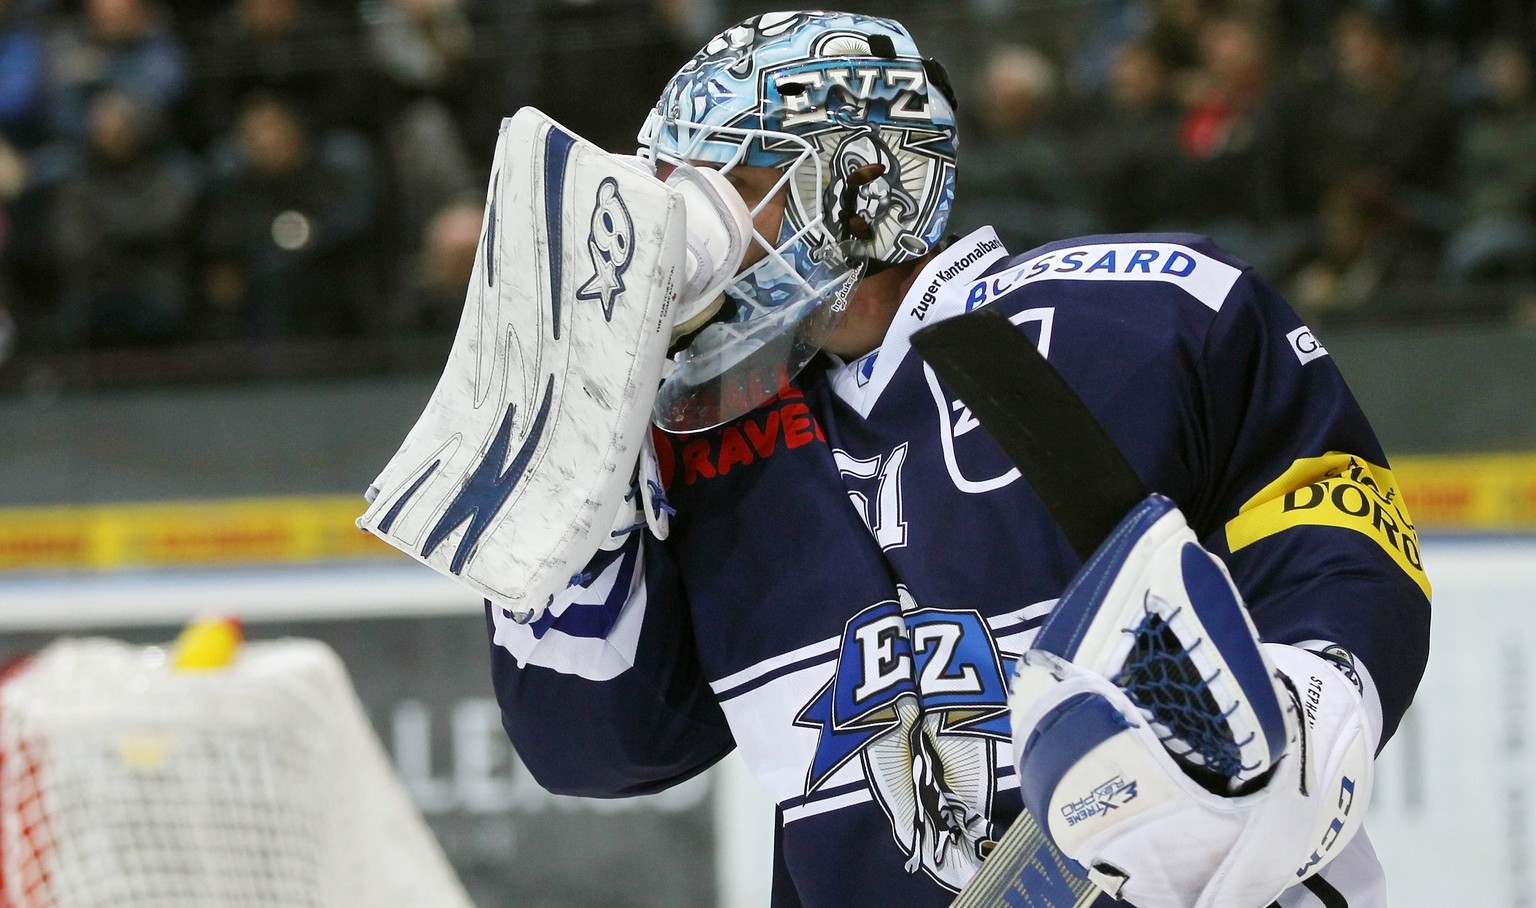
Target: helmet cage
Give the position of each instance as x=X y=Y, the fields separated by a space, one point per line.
x=801 y=249
x=862 y=130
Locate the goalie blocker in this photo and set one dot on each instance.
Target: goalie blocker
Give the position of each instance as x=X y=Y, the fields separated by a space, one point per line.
x=1166 y=750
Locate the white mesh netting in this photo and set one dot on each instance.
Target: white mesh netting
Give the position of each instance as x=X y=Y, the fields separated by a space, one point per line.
x=126 y=784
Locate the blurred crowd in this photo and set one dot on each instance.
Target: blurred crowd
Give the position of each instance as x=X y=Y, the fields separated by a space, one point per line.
x=178 y=173
x=1377 y=161
x=184 y=172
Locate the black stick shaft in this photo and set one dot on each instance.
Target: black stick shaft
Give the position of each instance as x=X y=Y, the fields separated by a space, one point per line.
x=1060 y=448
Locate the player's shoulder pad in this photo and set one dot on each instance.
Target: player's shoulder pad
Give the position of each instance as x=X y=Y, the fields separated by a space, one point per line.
x=1189 y=262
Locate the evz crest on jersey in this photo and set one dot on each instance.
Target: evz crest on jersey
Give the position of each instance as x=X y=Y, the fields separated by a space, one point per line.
x=919 y=699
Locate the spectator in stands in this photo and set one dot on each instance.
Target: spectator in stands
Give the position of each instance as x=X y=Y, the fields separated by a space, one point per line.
x=1020 y=172
x=121 y=228
x=1383 y=115
x=285 y=48
x=23 y=126
x=1496 y=175
x=289 y=228
x=423 y=50
x=597 y=61
x=1175 y=30
x=423 y=47
x=1112 y=25
x=1130 y=142
x=1365 y=246
x=1233 y=145
x=432 y=297
x=7 y=333
x=23 y=80
x=126 y=45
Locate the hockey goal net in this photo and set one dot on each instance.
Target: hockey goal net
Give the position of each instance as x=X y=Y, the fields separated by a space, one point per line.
x=125 y=783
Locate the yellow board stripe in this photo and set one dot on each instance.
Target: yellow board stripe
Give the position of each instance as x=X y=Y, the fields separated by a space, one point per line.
x=1476 y=492
x=1492 y=492
x=234 y=531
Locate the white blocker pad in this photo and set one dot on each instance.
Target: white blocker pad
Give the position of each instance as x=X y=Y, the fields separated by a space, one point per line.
x=510 y=478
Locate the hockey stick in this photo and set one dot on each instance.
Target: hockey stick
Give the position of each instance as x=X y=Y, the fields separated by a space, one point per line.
x=1074 y=467
x=1085 y=484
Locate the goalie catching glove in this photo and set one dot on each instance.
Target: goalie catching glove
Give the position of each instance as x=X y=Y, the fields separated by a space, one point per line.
x=524 y=462
x=1165 y=749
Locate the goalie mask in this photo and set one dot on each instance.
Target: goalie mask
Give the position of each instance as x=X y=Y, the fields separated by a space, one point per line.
x=862 y=129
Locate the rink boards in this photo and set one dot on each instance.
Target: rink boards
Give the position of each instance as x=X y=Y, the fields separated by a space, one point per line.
x=1454 y=818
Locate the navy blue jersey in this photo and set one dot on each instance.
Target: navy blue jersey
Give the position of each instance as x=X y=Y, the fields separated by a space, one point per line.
x=854 y=567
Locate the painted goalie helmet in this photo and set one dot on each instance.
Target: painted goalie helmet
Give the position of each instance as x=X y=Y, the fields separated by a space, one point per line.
x=862 y=128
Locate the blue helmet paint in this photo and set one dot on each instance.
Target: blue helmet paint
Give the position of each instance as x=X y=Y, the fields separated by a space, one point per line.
x=821 y=95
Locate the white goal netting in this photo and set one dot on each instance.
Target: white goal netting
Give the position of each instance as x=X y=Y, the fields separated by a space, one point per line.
x=127 y=784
